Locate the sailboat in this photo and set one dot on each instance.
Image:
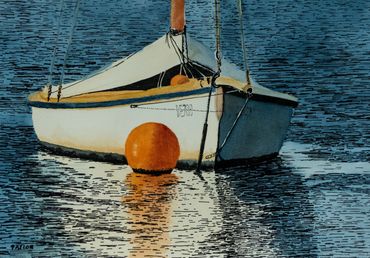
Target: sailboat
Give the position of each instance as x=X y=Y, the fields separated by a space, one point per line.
x=218 y=112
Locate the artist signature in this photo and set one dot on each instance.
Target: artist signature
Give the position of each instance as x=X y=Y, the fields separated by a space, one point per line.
x=14 y=250
x=21 y=247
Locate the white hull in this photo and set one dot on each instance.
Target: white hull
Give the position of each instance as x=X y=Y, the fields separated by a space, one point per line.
x=105 y=129
x=259 y=132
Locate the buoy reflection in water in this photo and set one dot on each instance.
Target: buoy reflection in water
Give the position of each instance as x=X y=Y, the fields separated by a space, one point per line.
x=149 y=208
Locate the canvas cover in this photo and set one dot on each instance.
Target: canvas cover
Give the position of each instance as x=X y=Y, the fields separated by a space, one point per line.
x=152 y=60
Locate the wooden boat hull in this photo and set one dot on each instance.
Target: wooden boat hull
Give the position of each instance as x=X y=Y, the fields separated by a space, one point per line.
x=100 y=131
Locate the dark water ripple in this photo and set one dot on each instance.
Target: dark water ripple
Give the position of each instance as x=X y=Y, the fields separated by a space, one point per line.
x=311 y=201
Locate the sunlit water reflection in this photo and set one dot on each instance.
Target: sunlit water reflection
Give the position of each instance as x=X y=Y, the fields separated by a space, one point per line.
x=71 y=207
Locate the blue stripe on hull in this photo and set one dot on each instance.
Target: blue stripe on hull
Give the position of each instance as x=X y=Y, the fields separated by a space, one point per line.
x=69 y=105
x=56 y=105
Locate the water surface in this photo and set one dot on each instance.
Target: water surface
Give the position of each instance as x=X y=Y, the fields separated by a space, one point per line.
x=313 y=200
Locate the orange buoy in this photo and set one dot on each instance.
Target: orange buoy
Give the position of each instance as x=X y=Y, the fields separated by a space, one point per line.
x=152 y=148
x=179 y=79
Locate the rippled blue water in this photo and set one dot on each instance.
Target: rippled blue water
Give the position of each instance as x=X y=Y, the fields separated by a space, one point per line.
x=313 y=200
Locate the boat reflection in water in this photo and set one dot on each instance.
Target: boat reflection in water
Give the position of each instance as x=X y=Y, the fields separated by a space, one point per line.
x=267 y=211
x=149 y=206
x=94 y=208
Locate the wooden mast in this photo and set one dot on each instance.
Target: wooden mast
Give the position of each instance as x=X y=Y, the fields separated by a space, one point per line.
x=177 y=15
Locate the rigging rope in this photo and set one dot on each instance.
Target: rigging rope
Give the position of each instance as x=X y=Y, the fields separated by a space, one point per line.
x=218 y=35
x=249 y=95
x=68 y=47
x=185 y=43
x=246 y=66
x=51 y=68
x=186 y=64
x=213 y=82
x=181 y=54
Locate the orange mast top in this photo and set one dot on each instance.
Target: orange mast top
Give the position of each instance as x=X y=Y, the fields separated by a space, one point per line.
x=178 y=15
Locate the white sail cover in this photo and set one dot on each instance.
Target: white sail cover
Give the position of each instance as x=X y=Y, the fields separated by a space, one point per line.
x=152 y=60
